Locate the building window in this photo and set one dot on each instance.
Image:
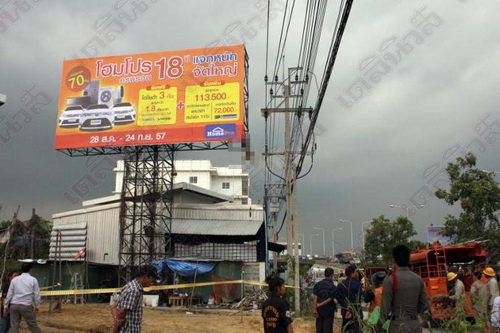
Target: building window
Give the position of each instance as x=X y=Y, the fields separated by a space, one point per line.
x=244 y=201
x=244 y=186
x=193 y=180
x=225 y=185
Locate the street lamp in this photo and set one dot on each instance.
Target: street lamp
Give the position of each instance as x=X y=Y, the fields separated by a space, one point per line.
x=364 y=232
x=301 y=244
x=352 y=234
x=333 y=239
x=323 y=231
x=311 y=243
x=407 y=208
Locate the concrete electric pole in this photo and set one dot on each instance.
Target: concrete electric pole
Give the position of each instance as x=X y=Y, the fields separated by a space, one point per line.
x=292 y=220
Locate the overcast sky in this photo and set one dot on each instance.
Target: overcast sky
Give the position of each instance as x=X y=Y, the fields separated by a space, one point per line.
x=384 y=143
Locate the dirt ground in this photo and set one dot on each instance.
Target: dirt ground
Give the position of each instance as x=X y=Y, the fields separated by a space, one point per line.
x=97 y=318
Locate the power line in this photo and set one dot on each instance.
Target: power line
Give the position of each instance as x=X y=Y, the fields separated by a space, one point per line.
x=340 y=28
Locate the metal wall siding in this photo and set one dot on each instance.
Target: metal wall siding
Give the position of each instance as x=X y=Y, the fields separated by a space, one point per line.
x=73 y=239
x=103 y=236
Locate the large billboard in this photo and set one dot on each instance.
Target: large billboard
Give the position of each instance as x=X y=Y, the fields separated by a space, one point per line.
x=434 y=234
x=182 y=96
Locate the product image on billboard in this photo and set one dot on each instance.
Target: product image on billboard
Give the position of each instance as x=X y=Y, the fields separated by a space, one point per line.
x=181 y=96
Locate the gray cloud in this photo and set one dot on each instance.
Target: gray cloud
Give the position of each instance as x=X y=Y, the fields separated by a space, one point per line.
x=369 y=156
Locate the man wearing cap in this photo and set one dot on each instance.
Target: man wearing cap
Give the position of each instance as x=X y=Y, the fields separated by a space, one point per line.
x=491 y=287
x=458 y=291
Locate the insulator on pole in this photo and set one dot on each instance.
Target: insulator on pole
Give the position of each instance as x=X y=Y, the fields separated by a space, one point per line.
x=271 y=91
x=265 y=78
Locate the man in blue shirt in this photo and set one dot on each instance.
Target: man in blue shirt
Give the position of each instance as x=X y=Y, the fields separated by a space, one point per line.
x=323 y=303
x=348 y=295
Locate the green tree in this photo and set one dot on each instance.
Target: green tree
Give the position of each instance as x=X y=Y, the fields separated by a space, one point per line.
x=478 y=193
x=28 y=239
x=384 y=235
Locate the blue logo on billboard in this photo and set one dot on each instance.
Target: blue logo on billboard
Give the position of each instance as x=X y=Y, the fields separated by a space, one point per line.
x=220 y=131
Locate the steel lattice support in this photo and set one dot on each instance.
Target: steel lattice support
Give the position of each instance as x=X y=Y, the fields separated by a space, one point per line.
x=146 y=208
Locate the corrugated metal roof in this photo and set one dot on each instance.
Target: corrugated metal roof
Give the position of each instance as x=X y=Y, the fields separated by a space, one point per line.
x=215 y=227
x=219 y=212
x=200 y=190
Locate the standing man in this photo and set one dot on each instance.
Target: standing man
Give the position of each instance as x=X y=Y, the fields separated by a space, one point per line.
x=403 y=295
x=275 y=310
x=377 y=279
x=479 y=296
x=5 y=321
x=323 y=303
x=458 y=294
x=491 y=287
x=23 y=300
x=127 y=313
x=348 y=295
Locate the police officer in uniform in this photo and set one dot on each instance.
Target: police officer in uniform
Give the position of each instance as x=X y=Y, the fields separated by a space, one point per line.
x=275 y=310
x=403 y=295
x=323 y=303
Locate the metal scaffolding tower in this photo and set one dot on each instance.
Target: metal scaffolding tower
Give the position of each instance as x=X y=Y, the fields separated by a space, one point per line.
x=146 y=208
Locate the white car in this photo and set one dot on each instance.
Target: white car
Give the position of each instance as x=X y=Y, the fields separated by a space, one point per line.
x=124 y=113
x=71 y=116
x=97 y=117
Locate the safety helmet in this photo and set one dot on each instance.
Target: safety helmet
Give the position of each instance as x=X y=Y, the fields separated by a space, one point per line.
x=450 y=276
x=489 y=271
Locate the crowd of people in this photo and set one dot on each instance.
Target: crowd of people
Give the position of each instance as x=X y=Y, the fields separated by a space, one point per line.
x=397 y=300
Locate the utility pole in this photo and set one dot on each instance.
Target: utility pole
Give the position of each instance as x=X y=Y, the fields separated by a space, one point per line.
x=292 y=221
x=273 y=197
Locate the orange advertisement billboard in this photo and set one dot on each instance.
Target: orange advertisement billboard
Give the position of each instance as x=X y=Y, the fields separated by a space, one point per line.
x=184 y=96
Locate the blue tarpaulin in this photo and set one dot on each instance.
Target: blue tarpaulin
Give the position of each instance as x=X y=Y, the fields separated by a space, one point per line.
x=185 y=268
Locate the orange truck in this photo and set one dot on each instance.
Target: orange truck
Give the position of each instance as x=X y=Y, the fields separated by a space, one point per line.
x=433 y=263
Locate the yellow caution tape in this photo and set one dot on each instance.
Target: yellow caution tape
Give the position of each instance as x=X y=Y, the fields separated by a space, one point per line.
x=152 y=288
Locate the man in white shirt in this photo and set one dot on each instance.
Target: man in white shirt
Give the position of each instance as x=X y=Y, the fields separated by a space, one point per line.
x=23 y=300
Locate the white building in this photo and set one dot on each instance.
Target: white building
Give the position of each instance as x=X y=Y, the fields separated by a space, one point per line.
x=229 y=181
